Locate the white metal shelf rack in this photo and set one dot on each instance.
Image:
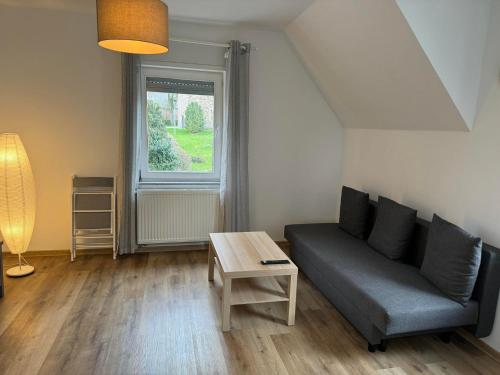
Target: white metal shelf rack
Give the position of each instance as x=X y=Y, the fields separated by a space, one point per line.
x=93 y=214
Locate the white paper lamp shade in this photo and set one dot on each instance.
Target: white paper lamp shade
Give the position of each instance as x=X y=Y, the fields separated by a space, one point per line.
x=17 y=194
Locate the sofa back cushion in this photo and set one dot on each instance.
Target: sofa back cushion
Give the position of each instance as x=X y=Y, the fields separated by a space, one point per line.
x=393 y=229
x=416 y=251
x=452 y=260
x=354 y=207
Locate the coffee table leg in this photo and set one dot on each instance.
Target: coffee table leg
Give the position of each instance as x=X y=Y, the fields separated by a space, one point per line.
x=211 y=262
x=292 y=296
x=226 y=304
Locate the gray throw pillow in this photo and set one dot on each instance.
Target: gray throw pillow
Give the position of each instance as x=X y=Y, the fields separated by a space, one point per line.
x=452 y=259
x=354 y=207
x=393 y=229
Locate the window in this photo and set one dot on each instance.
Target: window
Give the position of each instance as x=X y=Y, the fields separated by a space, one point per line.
x=181 y=125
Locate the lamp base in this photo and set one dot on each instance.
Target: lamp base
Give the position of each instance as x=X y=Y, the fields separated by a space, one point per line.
x=20 y=271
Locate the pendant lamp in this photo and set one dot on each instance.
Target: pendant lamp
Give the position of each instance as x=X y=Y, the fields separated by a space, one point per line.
x=17 y=200
x=133 y=26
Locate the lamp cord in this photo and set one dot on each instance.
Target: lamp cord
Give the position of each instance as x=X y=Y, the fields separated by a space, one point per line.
x=20 y=263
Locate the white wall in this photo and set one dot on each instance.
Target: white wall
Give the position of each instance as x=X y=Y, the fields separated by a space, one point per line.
x=61 y=93
x=295 y=139
x=453 y=34
x=453 y=174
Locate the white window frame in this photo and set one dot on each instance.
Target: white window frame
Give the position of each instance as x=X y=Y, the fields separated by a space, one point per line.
x=190 y=74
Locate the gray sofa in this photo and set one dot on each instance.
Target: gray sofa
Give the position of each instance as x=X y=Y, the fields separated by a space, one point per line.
x=383 y=298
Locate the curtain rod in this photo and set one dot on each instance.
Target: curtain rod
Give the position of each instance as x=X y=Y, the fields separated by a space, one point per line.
x=203 y=43
x=212 y=44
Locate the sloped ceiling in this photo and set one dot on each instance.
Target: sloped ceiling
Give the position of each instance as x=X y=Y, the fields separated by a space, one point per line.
x=372 y=69
x=453 y=35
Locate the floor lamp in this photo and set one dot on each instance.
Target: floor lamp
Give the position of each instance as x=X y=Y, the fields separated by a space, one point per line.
x=17 y=200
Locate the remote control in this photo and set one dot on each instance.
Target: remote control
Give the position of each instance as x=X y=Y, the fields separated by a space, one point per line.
x=277 y=261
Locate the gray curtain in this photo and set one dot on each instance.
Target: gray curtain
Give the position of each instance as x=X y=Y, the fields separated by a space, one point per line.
x=234 y=165
x=128 y=179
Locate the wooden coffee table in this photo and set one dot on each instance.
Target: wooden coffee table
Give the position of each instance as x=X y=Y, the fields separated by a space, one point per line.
x=245 y=280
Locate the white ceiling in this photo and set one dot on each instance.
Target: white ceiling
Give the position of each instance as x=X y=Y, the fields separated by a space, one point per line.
x=371 y=68
x=86 y=6
x=260 y=13
x=266 y=13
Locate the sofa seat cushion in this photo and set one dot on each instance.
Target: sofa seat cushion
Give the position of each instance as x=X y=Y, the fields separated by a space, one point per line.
x=392 y=295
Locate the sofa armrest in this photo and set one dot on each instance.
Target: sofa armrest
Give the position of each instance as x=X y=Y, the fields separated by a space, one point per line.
x=486 y=290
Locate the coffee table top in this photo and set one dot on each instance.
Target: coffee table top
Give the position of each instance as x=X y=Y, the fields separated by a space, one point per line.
x=239 y=255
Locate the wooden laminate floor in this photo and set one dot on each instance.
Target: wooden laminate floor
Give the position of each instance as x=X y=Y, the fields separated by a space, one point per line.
x=157 y=314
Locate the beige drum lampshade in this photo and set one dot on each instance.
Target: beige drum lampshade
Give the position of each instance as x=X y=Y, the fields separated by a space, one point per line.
x=133 y=26
x=17 y=194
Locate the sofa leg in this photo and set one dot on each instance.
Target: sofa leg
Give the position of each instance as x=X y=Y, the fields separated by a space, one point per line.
x=382 y=346
x=445 y=337
x=372 y=348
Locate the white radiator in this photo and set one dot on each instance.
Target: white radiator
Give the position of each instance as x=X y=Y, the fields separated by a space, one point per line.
x=165 y=216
